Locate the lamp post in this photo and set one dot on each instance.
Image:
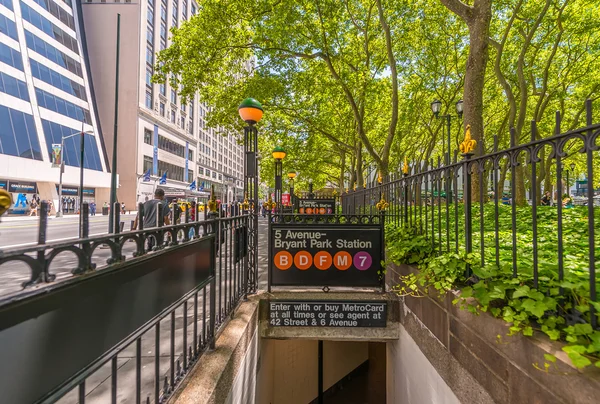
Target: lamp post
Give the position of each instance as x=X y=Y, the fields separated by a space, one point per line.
x=291 y=176
x=310 y=188
x=251 y=112
x=572 y=168
x=278 y=154
x=59 y=211
x=436 y=107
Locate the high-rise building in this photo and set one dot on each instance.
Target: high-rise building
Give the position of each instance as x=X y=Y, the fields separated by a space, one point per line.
x=157 y=133
x=46 y=95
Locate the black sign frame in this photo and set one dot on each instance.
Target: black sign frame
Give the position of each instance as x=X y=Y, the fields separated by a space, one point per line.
x=361 y=323
x=314 y=278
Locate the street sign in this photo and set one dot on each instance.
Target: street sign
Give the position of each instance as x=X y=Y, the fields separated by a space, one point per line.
x=316 y=206
x=56 y=154
x=297 y=313
x=325 y=255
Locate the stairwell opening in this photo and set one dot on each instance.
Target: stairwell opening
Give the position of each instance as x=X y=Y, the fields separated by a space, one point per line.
x=293 y=371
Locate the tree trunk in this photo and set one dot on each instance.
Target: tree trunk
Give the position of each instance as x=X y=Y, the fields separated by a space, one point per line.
x=360 y=179
x=477 y=17
x=502 y=179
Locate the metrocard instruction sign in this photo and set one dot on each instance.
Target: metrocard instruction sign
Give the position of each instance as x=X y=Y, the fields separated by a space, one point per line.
x=325 y=255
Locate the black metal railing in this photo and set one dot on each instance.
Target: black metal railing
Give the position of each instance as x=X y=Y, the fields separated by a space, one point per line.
x=158 y=308
x=493 y=204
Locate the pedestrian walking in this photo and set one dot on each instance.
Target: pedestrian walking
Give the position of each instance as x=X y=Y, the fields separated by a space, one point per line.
x=33 y=206
x=123 y=207
x=93 y=208
x=151 y=214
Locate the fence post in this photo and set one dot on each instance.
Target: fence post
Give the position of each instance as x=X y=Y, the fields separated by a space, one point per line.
x=116 y=212
x=467 y=206
x=40 y=274
x=85 y=233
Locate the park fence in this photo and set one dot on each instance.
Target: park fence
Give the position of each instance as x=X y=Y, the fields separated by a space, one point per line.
x=128 y=329
x=475 y=204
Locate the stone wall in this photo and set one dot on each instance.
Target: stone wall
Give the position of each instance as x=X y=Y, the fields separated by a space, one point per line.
x=481 y=368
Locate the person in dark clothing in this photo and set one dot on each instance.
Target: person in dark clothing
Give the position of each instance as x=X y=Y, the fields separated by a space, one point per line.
x=546 y=199
x=151 y=214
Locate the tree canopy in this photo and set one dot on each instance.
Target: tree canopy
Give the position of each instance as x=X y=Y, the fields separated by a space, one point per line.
x=348 y=83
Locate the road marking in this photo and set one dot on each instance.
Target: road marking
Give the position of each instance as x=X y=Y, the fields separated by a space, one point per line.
x=49 y=241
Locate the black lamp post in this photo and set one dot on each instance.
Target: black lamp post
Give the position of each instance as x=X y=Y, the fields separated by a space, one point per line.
x=278 y=154
x=436 y=107
x=291 y=176
x=310 y=188
x=251 y=112
x=572 y=167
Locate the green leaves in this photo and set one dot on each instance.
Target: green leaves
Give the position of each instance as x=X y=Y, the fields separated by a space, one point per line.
x=575 y=353
x=514 y=299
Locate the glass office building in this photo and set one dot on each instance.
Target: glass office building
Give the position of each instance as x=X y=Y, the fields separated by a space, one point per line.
x=45 y=96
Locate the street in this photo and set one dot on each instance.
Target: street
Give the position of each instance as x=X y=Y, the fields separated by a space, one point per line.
x=20 y=232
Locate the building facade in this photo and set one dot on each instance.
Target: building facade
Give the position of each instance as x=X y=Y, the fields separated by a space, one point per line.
x=46 y=95
x=157 y=133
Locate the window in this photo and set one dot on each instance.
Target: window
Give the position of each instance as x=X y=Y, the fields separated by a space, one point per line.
x=163 y=30
x=149 y=99
x=150 y=14
x=13 y=86
x=173 y=96
x=53 y=133
x=149 y=34
x=162 y=109
x=200 y=171
x=193 y=9
x=49 y=28
x=49 y=101
x=10 y=56
x=174 y=14
x=190 y=174
x=149 y=76
x=8 y=27
x=148 y=135
x=173 y=171
x=57 y=80
x=148 y=164
x=51 y=53
x=191 y=155
x=150 y=54
x=172 y=116
x=184 y=9
x=18 y=136
x=7 y=4
x=163 y=12
x=58 y=12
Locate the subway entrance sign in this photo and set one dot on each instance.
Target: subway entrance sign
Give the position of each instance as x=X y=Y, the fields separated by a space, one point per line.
x=325 y=254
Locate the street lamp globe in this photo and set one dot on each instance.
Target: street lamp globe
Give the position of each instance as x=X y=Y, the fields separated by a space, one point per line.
x=572 y=166
x=279 y=153
x=436 y=107
x=291 y=175
x=310 y=181
x=459 y=108
x=250 y=111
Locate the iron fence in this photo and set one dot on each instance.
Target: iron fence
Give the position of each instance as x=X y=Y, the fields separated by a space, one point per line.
x=479 y=204
x=134 y=325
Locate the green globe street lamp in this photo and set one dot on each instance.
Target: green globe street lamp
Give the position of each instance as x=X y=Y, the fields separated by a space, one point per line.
x=251 y=112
